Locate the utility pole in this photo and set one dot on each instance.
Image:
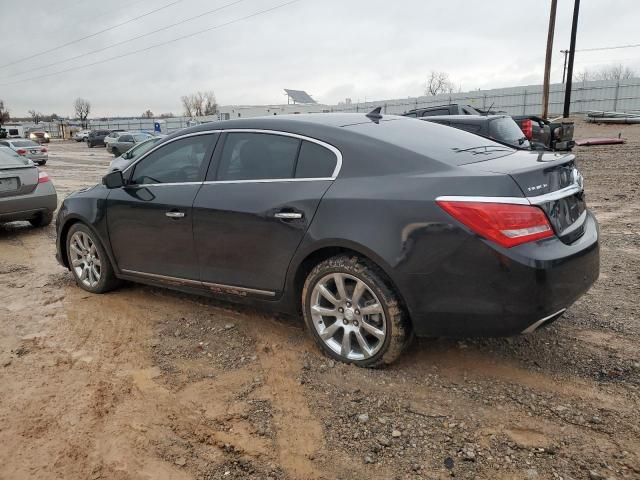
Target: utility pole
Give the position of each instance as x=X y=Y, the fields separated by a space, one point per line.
x=572 y=52
x=547 y=60
x=564 y=69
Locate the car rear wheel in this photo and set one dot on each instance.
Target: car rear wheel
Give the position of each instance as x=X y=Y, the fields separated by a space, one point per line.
x=353 y=314
x=89 y=144
x=88 y=261
x=42 y=220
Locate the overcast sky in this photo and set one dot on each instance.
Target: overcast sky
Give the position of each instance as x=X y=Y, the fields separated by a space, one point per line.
x=373 y=49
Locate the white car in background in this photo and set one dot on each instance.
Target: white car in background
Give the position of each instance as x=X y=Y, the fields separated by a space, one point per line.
x=81 y=135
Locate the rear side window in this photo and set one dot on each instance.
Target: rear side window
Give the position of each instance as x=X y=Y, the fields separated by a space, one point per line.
x=126 y=138
x=258 y=156
x=433 y=113
x=315 y=161
x=469 y=127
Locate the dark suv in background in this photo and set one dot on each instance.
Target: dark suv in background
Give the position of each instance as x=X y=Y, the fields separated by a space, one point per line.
x=96 y=137
x=542 y=134
x=500 y=128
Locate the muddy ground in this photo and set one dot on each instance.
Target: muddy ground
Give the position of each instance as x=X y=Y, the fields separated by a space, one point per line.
x=145 y=383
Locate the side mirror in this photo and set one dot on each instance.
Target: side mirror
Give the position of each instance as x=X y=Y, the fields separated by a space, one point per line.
x=113 y=179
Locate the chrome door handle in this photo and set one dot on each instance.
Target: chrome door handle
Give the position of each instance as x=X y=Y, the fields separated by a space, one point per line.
x=175 y=214
x=288 y=215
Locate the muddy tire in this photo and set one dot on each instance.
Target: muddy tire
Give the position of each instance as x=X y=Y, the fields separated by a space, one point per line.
x=42 y=220
x=88 y=260
x=353 y=314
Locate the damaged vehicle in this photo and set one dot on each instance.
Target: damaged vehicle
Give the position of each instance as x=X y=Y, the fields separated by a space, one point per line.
x=374 y=228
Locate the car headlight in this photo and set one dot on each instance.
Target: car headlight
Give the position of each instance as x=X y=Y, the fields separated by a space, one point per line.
x=46 y=135
x=32 y=135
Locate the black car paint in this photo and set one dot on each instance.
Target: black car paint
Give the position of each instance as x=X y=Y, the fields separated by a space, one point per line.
x=382 y=206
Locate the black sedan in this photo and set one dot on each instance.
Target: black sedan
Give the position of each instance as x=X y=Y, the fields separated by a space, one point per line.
x=373 y=227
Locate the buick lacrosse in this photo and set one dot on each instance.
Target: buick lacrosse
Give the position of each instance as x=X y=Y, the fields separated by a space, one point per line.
x=374 y=227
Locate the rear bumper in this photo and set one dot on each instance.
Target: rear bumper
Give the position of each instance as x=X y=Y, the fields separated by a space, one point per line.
x=26 y=207
x=484 y=290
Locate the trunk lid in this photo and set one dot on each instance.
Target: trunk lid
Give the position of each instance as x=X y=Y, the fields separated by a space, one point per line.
x=18 y=176
x=550 y=181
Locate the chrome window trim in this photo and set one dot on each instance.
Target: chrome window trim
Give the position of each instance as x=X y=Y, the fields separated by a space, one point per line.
x=326 y=145
x=186 y=281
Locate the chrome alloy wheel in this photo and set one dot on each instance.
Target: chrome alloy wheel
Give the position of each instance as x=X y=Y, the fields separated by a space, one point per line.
x=85 y=259
x=348 y=316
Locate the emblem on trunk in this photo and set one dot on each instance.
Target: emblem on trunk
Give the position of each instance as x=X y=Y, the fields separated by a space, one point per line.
x=537 y=187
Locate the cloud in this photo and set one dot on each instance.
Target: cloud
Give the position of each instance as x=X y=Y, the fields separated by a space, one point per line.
x=334 y=49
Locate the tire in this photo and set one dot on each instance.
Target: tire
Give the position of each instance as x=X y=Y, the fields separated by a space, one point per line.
x=89 y=144
x=42 y=220
x=43 y=162
x=375 y=339
x=88 y=248
x=115 y=152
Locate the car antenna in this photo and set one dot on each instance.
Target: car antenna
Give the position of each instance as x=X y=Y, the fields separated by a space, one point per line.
x=487 y=112
x=375 y=114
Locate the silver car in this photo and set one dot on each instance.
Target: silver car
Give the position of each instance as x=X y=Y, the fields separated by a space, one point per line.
x=125 y=141
x=26 y=193
x=127 y=158
x=28 y=149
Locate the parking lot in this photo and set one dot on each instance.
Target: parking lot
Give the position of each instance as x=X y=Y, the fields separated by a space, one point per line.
x=146 y=383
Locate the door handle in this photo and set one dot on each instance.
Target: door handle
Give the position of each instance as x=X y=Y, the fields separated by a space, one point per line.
x=288 y=215
x=174 y=214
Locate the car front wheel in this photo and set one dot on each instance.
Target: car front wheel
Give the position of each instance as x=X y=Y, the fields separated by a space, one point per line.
x=88 y=260
x=352 y=312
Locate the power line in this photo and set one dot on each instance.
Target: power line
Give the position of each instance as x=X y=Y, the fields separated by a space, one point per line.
x=92 y=35
x=58 y=62
x=631 y=45
x=215 y=27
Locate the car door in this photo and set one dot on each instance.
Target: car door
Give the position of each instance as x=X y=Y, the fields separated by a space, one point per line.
x=255 y=207
x=150 y=219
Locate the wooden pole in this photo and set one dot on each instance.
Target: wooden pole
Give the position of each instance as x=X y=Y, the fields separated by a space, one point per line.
x=547 y=60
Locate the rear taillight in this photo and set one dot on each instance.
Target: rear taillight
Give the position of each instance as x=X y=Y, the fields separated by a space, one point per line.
x=527 y=128
x=21 y=151
x=43 y=177
x=506 y=224
x=43 y=150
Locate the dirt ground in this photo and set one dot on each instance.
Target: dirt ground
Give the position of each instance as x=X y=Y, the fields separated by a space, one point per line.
x=145 y=383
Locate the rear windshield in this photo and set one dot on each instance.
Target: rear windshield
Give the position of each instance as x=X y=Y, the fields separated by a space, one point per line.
x=24 y=143
x=9 y=158
x=507 y=130
x=444 y=144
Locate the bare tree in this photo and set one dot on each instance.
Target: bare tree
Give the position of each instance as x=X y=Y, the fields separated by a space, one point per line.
x=4 y=113
x=439 y=82
x=167 y=115
x=147 y=114
x=82 y=108
x=187 y=105
x=210 y=104
x=613 y=72
x=35 y=116
x=199 y=104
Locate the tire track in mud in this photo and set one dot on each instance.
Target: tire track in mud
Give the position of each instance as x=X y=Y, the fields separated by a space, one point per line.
x=299 y=432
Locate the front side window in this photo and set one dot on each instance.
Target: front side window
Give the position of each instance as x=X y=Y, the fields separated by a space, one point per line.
x=176 y=162
x=315 y=161
x=258 y=156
